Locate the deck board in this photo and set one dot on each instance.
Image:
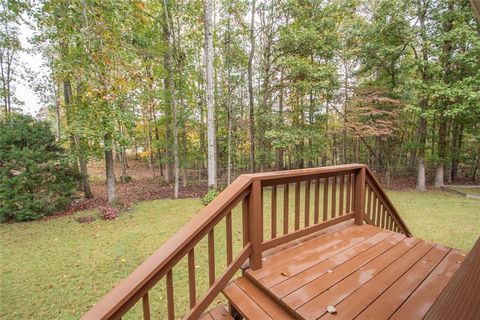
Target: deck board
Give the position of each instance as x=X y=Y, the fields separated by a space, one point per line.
x=364 y=271
x=302 y=249
x=310 y=290
x=347 y=286
x=386 y=304
x=355 y=244
x=419 y=302
x=365 y=295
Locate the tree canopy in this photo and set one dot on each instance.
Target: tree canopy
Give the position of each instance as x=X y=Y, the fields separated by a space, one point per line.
x=262 y=85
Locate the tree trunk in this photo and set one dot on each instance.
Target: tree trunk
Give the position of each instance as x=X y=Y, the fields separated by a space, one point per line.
x=175 y=151
x=447 y=51
x=209 y=72
x=345 y=107
x=422 y=132
x=84 y=172
x=477 y=165
x=167 y=84
x=68 y=97
x=421 y=185
x=250 y=90
x=439 y=172
x=57 y=110
x=229 y=135
x=109 y=170
x=280 y=153
x=457 y=137
x=157 y=139
x=148 y=141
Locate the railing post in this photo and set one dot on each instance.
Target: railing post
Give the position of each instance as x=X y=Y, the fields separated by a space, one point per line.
x=359 y=197
x=255 y=224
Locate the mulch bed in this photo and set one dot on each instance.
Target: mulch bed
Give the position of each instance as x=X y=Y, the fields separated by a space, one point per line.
x=144 y=187
x=129 y=194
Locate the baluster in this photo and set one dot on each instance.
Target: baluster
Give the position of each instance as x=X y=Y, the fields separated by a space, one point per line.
x=379 y=213
x=374 y=208
x=342 y=187
x=191 y=278
x=297 y=205
x=369 y=201
x=229 y=238
x=274 y=212
x=349 y=187
x=325 y=199
x=359 y=204
x=285 y=208
x=334 y=197
x=245 y=221
x=317 y=200
x=146 y=307
x=384 y=218
x=211 y=257
x=307 y=203
x=170 y=300
x=352 y=187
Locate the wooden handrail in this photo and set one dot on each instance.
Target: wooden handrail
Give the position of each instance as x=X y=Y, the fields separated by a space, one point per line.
x=290 y=176
x=247 y=190
x=387 y=202
x=144 y=277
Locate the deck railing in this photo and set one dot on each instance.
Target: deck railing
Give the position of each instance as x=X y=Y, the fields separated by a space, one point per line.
x=274 y=208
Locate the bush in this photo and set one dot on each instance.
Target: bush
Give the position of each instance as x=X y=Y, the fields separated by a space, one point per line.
x=211 y=194
x=35 y=178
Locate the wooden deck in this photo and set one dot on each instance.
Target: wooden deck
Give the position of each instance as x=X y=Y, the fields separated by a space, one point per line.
x=365 y=272
x=321 y=237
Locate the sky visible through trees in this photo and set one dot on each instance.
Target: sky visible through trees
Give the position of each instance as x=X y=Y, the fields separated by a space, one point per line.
x=221 y=87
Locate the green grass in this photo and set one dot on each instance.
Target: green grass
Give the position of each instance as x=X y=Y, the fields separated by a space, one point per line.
x=468 y=190
x=58 y=269
x=440 y=217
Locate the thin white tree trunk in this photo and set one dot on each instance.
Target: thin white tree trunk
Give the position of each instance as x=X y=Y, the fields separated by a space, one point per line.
x=421 y=186
x=209 y=71
x=439 y=175
x=175 y=149
x=229 y=147
x=250 y=90
x=109 y=170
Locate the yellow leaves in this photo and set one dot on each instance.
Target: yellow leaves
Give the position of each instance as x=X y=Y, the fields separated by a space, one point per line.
x=145 y=154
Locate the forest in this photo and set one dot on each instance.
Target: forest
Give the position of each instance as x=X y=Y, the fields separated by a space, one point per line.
x=216 y=88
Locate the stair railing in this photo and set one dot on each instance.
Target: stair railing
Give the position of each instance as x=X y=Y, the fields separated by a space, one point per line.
x=274 y=208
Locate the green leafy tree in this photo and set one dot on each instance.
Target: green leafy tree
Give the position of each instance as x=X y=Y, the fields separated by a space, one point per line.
x=35 y=179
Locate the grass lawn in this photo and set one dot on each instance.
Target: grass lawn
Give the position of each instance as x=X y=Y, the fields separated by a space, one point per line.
x=58 y=269
x=468 y=190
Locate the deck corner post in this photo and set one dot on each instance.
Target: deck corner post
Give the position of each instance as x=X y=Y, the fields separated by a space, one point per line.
x=255 y=224
x=359 y=198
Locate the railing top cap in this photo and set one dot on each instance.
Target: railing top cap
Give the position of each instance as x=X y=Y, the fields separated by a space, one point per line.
x=303 y=172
